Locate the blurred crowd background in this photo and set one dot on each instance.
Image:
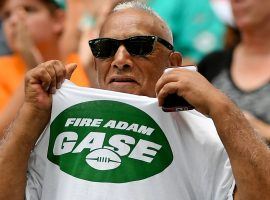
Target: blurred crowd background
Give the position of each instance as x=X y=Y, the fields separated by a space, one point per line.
x=227 y=39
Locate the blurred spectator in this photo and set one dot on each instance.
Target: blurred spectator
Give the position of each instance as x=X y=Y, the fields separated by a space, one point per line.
x=196 y=29
x=4 y=50
x=243 y=72
x=223 y=10
x=33 y=29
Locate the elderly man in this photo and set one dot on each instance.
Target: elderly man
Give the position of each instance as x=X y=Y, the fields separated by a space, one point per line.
x=131 y=54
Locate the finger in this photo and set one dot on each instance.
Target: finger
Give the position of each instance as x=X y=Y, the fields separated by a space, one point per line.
x=39 y=76
x=169 y=88
x=166 y=78
x=60 y=72
x=70 y=69
x=50 y=69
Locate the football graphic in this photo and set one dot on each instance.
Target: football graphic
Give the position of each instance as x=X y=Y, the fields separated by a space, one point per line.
x=103 y=159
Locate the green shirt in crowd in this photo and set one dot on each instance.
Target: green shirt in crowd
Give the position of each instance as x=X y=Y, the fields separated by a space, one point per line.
x=196 y=29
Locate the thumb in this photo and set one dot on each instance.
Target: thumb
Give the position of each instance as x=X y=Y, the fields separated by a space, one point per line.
x=70 y=69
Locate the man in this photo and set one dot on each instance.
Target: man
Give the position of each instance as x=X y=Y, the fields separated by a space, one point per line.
x=136 y=69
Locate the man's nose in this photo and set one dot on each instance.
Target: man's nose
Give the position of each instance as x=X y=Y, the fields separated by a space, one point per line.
x=122 y=59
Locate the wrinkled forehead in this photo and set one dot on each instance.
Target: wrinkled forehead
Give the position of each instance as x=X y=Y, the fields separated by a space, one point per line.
x=130 y=22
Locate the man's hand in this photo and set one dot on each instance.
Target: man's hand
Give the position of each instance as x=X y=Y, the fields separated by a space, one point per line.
x=192 y=86
x=248 y=155
x=42 y=81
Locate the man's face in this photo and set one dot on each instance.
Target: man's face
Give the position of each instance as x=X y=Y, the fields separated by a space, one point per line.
x=124 y=72
x=31 y=17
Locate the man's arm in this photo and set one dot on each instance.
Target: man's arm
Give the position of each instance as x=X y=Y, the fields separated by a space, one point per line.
x=15 y=150
x=20 y=138
x=11 y=109
x=248 y=155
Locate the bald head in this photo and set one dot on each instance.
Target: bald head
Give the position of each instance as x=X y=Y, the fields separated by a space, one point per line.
x=138 y=14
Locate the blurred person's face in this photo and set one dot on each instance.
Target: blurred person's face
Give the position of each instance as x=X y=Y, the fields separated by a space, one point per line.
x=124 y=72
x=39 y=23
x=250 y=14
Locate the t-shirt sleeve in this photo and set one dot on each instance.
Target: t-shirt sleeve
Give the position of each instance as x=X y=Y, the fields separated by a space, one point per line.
x=34 y=178
x=37 y=167
x=209 y=169
x=231 y=192
x=218 y=179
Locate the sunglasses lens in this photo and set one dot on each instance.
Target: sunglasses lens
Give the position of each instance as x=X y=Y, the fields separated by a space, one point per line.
x=136 y=46
x=140 y=45
x=104 y=47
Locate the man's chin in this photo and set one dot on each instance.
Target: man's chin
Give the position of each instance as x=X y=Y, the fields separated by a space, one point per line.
x=127 y=89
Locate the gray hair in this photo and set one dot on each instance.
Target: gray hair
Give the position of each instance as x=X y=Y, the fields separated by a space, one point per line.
x=142 y=6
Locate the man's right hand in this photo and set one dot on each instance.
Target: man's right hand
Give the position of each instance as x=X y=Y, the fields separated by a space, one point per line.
x=42 y=81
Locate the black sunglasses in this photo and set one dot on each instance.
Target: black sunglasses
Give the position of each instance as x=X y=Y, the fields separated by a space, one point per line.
x=136 y=46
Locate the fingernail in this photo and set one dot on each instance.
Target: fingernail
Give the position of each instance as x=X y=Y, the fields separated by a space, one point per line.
x=53 y=90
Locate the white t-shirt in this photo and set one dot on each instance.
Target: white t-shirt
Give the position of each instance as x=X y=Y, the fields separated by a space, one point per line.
x=107 y=145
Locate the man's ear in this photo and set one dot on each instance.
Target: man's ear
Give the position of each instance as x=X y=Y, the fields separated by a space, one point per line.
x=175 y=59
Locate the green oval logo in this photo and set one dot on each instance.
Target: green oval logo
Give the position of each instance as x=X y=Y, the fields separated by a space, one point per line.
x=108 y=141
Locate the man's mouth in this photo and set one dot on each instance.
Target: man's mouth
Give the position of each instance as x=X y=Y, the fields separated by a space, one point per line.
x=123 y=80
